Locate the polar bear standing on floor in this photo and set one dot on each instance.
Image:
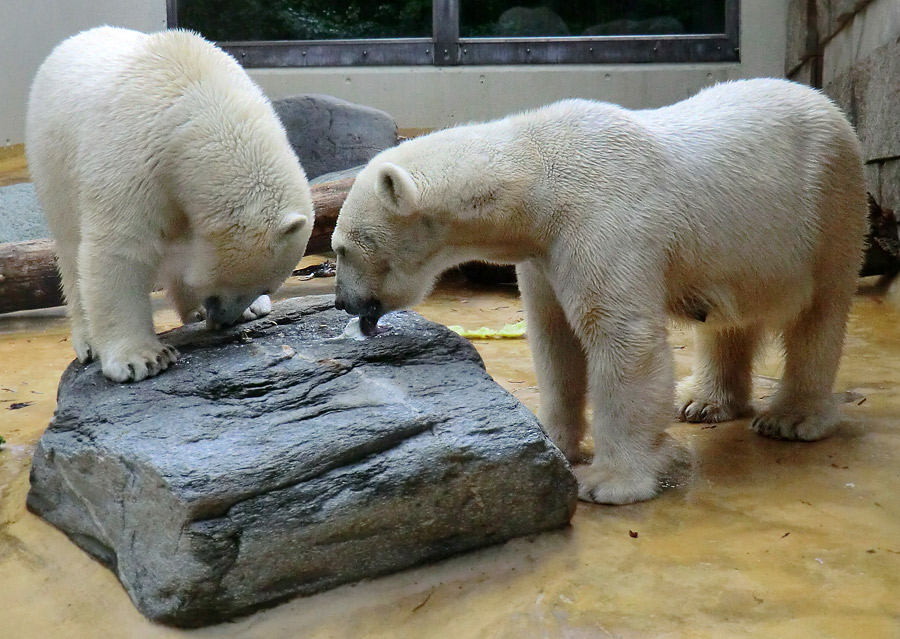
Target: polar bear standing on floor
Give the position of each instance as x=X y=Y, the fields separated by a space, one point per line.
x=156 y=158
x=738 y=210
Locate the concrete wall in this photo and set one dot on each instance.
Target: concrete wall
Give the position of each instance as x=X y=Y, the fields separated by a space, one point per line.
x=417 y=97
x=851 y=49
x=29 y=29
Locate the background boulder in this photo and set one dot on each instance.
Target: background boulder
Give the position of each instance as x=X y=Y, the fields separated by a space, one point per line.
x=329 y=134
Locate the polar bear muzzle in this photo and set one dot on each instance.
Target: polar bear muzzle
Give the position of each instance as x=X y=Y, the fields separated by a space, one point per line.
x=369 y=311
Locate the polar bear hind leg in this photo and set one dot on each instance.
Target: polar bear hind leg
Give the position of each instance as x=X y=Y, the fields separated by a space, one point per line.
x=719 y=388
x=803 y=407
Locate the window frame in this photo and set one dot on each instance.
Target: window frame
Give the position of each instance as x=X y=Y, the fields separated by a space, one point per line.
x=447 y=48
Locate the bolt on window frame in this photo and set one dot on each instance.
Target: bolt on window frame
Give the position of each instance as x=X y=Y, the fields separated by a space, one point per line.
x=447 y=48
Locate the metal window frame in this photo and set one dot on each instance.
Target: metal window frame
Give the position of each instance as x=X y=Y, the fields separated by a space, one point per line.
x=446 y=48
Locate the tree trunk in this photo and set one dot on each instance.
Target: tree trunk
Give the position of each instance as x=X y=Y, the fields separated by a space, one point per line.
x=28 y=277
x=328 y=198
x=29 y=280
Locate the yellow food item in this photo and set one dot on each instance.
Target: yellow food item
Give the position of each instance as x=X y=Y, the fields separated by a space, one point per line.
x=508 y=331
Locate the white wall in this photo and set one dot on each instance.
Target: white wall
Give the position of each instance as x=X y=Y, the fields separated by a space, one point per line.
x=418 y=97
x=29 y=29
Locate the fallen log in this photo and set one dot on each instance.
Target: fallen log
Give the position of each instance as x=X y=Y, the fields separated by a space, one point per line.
x=328 y=198
x=29 y=280
x=28 y=277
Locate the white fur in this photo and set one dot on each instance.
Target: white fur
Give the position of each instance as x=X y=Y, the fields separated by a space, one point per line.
x=156 y=157
x=743 y=207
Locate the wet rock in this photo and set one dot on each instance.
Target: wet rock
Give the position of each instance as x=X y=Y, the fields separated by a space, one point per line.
x=277 y=459
x=329 y=134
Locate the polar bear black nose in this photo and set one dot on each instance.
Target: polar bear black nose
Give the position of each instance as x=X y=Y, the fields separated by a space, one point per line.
x=339 y=302
x=373 y=309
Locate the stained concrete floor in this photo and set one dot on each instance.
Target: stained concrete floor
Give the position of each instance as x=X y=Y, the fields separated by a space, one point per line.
x=760 y=539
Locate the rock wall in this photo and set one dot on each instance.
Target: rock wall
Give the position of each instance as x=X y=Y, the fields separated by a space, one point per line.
x=851 y=50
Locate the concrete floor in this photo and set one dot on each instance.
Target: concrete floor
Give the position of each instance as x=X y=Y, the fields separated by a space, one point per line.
x=761 y=538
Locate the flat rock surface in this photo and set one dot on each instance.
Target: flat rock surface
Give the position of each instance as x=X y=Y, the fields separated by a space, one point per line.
x=277 y=458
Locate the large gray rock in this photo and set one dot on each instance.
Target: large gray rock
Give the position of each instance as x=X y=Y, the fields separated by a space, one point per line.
x=275 y=460
x=21 y=216
x=329 y=134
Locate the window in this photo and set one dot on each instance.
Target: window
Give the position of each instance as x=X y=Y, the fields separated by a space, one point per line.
x=303 y=33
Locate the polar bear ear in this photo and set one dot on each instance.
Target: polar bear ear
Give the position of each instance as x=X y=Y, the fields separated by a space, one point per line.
x=292 y=223
x=396 y=188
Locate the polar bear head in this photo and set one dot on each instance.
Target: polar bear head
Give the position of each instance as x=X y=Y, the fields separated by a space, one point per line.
x=227 y=269
x=420 y=208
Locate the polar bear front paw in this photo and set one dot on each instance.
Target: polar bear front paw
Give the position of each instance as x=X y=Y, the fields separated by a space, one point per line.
x=603 y=486
x=195 y=316
x=135 y=364
x=83 y=350
x=259 y=308
x=696 y=411
x=795 y=426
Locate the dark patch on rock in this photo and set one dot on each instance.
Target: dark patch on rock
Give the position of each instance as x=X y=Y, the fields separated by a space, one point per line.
x=277 y=459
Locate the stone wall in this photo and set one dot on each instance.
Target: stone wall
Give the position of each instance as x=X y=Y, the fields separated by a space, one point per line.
x=851 y=50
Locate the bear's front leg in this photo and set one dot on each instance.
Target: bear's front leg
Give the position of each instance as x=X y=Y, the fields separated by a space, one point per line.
x=67 y=264
x=116 y=296
x=631 y=391
x=559 y=363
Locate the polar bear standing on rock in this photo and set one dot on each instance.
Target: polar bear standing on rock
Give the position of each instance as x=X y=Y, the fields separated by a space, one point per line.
x=157 y=159
x=738 y=210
